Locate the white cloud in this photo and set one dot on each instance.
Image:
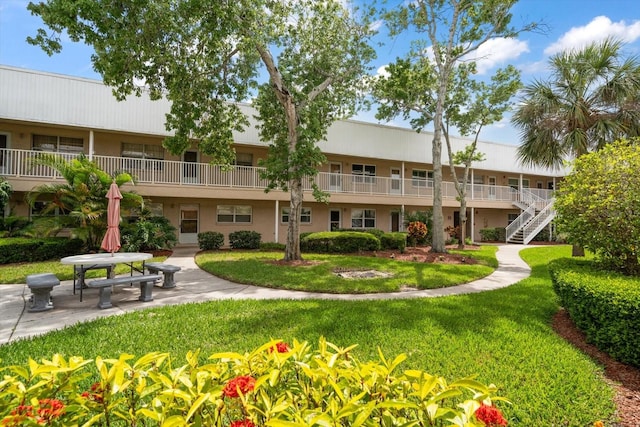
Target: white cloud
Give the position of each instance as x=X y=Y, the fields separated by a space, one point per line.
x=598 y=29
x=376 y=25
x=497 y=51
x=382 y=71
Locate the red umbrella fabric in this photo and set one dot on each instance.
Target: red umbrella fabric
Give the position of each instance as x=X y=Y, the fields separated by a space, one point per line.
x=111 y=240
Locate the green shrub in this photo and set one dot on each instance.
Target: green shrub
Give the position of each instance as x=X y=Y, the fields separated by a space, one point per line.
x=272 y=246
x=21 y=249
x=273 y=385
x=14 y=225
x=148 y=234
x=210 y=240
x=340 y=242
x=597 y=204
x=603 y=304
x=395 y=240
x=498 y=234
x=305 y=234
x=245 y=239
x=375 y=231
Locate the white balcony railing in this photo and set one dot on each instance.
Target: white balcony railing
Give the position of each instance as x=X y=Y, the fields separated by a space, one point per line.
x=18 y=164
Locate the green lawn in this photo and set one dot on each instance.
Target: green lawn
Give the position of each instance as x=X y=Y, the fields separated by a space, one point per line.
x=17 y=273
x=258 y=268
x=503 y=336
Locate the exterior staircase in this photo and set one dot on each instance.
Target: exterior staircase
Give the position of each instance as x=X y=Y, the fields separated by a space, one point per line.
x=537 y=213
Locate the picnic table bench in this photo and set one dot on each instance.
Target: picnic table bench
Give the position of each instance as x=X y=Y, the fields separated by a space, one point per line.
x=146 y=282
x=167 y=269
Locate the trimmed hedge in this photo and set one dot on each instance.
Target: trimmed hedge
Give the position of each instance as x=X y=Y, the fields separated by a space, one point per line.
x=395 y=240
x=498 y=234
x=23 y=249
x=375 y=231
x=272 y=246
x=605 y=305
x=340 y=242
x=210 y=240
x=245 y=239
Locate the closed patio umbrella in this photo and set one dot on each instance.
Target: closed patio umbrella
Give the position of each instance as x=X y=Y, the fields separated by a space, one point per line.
x=111 y=240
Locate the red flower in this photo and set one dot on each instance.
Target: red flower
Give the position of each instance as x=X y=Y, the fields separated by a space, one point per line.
x=95 y=394
x=18 y=416
x=50 y=409
x=490 y=416
x=239 y=385
x=242 y=423
x=280 y=347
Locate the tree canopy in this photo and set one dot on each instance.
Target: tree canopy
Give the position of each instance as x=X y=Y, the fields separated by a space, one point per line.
x=81 y=199
x=416 y=86
x=592 y=97
x=598 y=204
x=301 y=60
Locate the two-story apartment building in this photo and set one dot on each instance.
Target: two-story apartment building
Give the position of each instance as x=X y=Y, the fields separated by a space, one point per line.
x=373 y=173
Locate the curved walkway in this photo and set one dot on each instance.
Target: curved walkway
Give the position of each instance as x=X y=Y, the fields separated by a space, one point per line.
x=196 y=285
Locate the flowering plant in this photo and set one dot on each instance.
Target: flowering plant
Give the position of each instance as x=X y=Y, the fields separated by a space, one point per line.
x=417 y=233
x=275 y=385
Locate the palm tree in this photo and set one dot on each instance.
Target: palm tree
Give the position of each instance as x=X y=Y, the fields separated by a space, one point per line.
x=82 y=198
x=592 y=98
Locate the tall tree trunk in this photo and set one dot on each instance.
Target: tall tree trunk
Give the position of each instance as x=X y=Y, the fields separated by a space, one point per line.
x=463 y=222
x=292 y=250
x=437 y=235
x=577 y=250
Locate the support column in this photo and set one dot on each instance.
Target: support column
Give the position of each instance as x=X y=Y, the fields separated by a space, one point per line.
x=473 y=220
x=472 y=185
x=276 y=234
x=91 y=145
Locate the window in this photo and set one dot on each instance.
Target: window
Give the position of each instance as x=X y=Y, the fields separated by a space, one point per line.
x=43 y=208
x=512 y=217
x=140 y=152
x=3 y=145
x=244 y=159
x=234 y=214
x=421 y=178
x=364 y=173
x=305 y=215
x=363 y=218
x=57 y=144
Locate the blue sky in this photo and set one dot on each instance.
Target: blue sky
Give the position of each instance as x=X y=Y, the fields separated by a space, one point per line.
x=571 y=24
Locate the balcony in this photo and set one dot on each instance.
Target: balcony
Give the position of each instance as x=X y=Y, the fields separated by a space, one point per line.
x=16 y=165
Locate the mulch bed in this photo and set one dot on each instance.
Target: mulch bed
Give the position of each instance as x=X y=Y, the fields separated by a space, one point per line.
x=412 y=254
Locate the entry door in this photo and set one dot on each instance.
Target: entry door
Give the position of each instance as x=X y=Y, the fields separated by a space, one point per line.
x=189 y=218
x=4 y=160
x=396 y=183
x=335 y=221
x=492 y=187
x=190 y=167
x=335 y=180
x=395 y=221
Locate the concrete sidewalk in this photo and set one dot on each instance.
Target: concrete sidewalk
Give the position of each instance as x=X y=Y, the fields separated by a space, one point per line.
x=196 y=285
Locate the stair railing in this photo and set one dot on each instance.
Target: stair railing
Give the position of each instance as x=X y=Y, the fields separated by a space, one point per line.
x=520 y=222
x=535 y=225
